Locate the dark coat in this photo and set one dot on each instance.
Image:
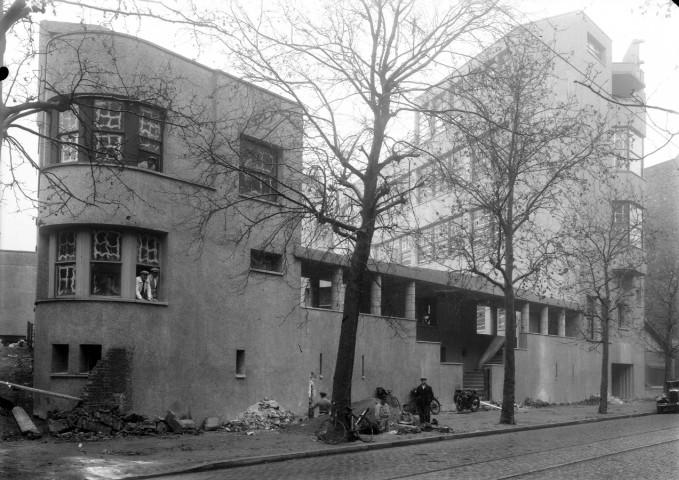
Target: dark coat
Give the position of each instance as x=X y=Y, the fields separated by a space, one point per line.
x=423 y=396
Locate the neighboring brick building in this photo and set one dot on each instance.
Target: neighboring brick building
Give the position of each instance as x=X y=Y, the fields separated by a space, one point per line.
x=17 y=293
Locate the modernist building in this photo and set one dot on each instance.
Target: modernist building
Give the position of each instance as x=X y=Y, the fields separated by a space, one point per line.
x=553 y=361
x=124 y=181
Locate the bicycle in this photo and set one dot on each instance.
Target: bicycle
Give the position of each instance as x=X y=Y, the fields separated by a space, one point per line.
x=333 y=430
x=392 y=400
x=435 y=407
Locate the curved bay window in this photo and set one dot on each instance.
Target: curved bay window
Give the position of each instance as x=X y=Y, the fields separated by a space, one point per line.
x=107 y=262
x=108 y=130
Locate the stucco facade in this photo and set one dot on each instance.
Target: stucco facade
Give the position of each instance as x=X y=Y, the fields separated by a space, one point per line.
x=17 y=293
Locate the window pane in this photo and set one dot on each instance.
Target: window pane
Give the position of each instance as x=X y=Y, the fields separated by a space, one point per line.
x=106 y=245
x=148 y=249
x=260 y=168
x=149 y=124
x=68 y=153
x=68 y=121
x=66 y=246
x=109 y=147
x=108 y=115
x=65 y=279
x=105 y=279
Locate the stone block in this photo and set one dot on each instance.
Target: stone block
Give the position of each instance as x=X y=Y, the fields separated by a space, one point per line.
x=188 y=424
x=212 y=423
x=57 y=426
x=173 y=422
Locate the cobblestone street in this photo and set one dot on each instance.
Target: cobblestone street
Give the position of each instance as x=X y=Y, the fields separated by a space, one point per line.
x=644 y=447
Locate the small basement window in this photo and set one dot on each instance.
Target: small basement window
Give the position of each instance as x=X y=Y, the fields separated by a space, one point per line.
x=266 y=261
x=240 y=363
x=59 y=358
x=89 y=356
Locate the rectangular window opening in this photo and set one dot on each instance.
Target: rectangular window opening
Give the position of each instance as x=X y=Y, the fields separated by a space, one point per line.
x=259 y=170
x=89 y=356
x=266 y=261
x=59 y=358
x=240 y=363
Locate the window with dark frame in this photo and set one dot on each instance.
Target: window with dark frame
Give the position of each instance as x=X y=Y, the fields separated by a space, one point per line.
x=106 y=264
x=109 y=130
x=65 y=266
x=240 y=363
x=110 y=254
x=266 y=261
x=259 y=170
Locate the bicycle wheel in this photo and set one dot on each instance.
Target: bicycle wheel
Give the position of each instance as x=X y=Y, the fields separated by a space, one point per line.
x=393 y=402
x=364 y=429
x=435 y=407
x=331 y=431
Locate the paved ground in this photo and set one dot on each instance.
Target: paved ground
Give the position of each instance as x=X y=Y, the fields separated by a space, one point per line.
x=50 y=458
x=622 y=449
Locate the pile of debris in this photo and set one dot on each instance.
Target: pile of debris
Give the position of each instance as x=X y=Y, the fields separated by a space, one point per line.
x=264 y=415
x=88 y=424
x=529 y=402
x=594 y=400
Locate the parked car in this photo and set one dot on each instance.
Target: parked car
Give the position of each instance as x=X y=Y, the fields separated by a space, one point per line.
x=669 y=401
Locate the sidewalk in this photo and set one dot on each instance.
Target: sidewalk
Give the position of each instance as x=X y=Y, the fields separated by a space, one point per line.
x=146 y=457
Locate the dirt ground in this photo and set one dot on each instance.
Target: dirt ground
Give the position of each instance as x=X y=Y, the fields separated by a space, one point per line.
x=114 y=458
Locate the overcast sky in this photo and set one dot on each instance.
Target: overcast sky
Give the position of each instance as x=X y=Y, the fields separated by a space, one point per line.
x=622 y=20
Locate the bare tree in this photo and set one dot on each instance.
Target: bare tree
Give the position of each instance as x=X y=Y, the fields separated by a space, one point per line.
x=523 y=148
x=353 y=71
x=606 y=264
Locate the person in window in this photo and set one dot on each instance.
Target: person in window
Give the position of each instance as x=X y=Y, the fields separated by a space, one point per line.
x=144 y=286
x=153 y=281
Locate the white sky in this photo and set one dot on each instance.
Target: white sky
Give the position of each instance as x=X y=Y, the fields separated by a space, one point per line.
x=621 y=20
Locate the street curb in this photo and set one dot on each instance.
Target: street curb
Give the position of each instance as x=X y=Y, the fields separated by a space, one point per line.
x=249 y=461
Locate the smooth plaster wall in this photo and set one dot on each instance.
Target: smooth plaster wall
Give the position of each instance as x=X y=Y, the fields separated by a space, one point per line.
x=18 y=271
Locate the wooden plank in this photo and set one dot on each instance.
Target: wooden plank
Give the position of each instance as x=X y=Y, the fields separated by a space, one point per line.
x=42 y=392
x=25 y=423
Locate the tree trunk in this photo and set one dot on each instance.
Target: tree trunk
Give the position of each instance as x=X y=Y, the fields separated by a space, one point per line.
x=603 y=390
x=344 y=366
x=508 y=388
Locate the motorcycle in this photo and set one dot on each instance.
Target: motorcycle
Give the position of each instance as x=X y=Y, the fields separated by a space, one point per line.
x=467 y=399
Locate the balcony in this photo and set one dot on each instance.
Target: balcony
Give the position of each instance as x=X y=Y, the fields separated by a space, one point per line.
x=628 y=79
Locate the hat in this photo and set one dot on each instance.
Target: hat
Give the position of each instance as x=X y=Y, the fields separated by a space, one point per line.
x=154 y=269
x=423 y=378
x=144 y=272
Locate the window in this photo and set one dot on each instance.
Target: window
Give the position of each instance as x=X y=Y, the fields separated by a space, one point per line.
x=240 y=363
x=629 y=151
x=109 y=130
x=259 y=170
x=628 y=221
x=406 y=251
x=107 y=265
x=65 y=263
x=89 y=356
x=59 y=358
x=621 y=315
x=595 y=48
x=266 y=261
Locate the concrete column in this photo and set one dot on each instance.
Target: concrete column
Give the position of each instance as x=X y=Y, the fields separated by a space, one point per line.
x=544 y=321
x=376 y=295
x=337 y=291
x=410 y=300
x=525 y=318
x=304 y=300
x=562 y=322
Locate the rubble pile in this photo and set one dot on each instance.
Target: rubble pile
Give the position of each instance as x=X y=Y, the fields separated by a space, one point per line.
x=594 y=400
x=87 y=424
x=264 y=415
x=529 y=402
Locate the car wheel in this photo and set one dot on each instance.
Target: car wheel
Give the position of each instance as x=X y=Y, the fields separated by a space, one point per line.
x=659 y=409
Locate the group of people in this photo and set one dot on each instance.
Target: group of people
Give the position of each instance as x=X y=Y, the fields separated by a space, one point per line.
x=423 y=395
x=147 y=285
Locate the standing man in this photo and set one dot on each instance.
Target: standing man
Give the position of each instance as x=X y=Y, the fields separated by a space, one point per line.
x=424 y=395
x=143 y=286
x=323 y=405
x=153 y=281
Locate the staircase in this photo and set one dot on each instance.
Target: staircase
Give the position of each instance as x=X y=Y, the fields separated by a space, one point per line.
x=476 y=380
